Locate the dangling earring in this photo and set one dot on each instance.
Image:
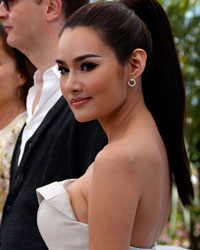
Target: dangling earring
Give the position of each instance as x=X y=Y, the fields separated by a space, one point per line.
x=132 y=82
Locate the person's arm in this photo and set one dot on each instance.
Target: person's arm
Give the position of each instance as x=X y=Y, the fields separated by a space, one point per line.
x=113 y=199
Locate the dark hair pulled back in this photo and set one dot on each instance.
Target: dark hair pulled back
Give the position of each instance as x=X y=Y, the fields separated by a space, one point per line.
x=143 y=24
x=70 y=6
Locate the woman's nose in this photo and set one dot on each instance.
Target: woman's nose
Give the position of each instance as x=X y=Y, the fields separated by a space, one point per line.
x=71 y=84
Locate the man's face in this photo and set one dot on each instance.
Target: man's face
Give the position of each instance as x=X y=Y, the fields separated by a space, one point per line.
x=23 y=21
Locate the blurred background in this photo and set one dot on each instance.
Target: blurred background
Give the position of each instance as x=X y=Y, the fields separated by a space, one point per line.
x=183 y=227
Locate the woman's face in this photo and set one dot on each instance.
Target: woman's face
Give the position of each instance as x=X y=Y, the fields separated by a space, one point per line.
x=10 y=78
x=92 y=81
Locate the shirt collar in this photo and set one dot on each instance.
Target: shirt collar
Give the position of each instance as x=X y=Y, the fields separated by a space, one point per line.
x=53 y=71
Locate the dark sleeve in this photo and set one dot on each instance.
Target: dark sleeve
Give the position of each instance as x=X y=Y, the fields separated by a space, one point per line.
x=90 y=139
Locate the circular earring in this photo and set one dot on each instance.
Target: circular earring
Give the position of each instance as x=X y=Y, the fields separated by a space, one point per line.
x=132 y=82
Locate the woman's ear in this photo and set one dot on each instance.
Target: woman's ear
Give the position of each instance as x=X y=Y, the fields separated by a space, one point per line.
x=53 y=10
x=137 y=63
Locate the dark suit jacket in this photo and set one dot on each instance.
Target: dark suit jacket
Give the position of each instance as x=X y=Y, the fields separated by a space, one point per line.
x=61 y=148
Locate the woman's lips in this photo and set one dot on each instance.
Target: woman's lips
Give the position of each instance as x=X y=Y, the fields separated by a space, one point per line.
x=75 y=102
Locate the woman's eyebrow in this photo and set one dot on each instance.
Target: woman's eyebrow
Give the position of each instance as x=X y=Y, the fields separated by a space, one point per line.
x=60 y=61
x=79 y=58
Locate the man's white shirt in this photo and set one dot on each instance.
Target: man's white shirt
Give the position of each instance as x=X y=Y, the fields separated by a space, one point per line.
x=50 y=94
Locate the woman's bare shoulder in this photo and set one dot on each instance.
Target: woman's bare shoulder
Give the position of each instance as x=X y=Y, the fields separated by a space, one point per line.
x=130 y=153
x=129 y=160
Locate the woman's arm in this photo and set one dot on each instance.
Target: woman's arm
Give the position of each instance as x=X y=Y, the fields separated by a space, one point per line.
x=113 y=199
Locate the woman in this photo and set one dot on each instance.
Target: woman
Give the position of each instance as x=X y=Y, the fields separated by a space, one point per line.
x=119 y=65
x=16 y=77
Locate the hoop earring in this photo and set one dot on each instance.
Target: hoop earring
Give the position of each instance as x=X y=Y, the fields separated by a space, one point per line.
x=132 y=82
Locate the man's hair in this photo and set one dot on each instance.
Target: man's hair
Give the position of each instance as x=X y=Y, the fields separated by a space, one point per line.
x=70 y=6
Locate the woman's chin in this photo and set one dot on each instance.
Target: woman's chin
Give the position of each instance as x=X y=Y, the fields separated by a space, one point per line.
x=83 y=118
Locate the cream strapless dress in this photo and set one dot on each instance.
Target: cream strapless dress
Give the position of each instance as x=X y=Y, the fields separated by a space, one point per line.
x=57 y=223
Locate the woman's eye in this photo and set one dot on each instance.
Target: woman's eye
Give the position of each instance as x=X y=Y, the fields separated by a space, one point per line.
x=63 y=70
x=88 y=66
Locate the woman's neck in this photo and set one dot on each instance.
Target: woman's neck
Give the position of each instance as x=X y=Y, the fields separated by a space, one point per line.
x=9 y=112
x=117 y=124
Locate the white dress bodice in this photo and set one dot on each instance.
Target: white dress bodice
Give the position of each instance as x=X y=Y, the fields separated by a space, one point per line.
x=57 y=223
